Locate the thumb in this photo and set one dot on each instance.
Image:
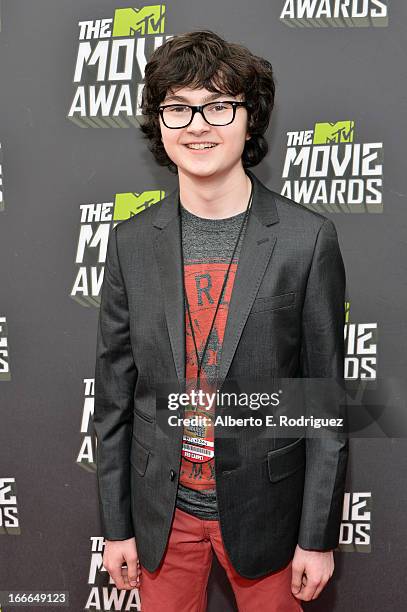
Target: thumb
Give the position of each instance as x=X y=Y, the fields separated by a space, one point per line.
x=133 y=572
x=296 y=579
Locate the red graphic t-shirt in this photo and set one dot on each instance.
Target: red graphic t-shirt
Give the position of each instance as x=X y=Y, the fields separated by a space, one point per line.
x=203 y=284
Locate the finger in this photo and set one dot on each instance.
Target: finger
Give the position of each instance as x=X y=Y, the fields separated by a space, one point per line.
x=125 y=577
x=296 y=579
x=117 y=577
x=133 y=568
x=299 y=593
x=308 y=590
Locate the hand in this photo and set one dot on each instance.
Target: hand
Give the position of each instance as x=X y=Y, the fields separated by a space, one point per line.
x=311 y=570
x=115 y=554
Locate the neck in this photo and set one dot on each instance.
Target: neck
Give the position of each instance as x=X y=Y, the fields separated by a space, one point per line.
x=215 y=197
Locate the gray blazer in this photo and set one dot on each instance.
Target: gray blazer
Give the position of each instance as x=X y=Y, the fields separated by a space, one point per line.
x=286 y=318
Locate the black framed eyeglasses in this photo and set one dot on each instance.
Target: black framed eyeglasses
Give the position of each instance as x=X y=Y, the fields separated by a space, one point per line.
x=175 y=116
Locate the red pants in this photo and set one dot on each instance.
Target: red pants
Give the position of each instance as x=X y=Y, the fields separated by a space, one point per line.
x=179 y=584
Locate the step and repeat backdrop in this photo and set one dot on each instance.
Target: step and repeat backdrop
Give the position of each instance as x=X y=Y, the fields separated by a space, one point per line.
x=73 y=163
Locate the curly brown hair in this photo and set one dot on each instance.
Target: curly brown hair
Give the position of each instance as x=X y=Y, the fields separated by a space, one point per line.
x=203 y=59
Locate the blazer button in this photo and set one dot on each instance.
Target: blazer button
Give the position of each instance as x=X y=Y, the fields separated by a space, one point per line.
x=172 y=474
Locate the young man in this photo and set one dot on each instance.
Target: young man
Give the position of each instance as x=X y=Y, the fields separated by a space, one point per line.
x=222 y=279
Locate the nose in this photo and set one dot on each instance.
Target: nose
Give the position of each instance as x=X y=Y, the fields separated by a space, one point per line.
x=198 y=124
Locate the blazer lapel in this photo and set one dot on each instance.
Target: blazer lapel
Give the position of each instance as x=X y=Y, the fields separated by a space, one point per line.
x=167 y=248
x=258 y=244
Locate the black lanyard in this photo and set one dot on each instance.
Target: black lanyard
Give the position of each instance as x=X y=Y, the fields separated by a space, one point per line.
x=200 y=361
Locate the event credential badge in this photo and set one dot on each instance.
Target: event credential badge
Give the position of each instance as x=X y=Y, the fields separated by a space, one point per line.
x=198 y=436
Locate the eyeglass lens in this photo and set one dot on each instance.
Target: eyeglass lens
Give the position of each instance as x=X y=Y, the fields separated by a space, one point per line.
x=218 y=113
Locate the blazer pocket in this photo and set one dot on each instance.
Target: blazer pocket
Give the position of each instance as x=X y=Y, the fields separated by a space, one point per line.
x=143 y=429
x=139 y=457
x=285 y=461
x=273 y=302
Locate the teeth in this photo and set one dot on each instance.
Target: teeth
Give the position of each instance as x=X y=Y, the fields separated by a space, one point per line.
x=201 y=146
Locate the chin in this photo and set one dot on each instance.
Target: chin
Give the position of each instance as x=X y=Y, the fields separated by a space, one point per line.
x=199 y=172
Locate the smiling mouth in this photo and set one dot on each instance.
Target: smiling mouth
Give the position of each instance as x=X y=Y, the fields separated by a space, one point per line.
x=202 y=147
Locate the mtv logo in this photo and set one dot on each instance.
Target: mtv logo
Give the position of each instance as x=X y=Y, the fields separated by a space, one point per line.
x=347 y=311
x=327 y=133
x=143 y=21
x=127 y=205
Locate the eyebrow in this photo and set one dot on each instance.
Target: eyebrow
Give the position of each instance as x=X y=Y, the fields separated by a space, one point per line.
x=208 y=98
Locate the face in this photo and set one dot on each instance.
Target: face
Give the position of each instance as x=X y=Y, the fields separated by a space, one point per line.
x=229 y=139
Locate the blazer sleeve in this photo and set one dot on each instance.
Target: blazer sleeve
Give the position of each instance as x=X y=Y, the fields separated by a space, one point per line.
x=115 y=378
x=322 y=356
